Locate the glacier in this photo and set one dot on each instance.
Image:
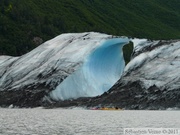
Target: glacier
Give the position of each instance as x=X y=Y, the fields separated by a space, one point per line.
x=89 y=64
x=101 y=69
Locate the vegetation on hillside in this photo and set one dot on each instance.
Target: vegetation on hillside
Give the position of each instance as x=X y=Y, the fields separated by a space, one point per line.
x=26 y=24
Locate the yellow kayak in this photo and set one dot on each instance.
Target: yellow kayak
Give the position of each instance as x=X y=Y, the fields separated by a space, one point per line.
x=106 y=108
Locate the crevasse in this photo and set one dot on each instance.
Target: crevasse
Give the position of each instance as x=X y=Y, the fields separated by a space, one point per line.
x=100 y=70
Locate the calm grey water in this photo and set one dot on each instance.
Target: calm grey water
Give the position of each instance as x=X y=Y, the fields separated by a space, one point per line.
x=81 y=122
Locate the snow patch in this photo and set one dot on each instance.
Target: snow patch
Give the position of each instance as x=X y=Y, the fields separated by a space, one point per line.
x=138 y=42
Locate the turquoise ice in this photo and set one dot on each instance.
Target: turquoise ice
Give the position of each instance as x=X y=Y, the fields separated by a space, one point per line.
x=100 y=71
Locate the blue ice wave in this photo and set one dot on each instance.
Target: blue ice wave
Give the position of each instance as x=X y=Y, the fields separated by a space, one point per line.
x=100 y=71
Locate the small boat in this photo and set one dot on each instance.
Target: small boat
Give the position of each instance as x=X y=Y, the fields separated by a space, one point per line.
x=105 y=108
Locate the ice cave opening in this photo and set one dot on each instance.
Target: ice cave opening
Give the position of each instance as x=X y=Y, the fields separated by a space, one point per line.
x=99 y=72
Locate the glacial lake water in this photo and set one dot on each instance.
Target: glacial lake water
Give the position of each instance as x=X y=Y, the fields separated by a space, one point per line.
x=40 y=121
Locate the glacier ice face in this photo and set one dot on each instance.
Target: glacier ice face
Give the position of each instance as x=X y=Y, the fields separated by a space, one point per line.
x=101 y=69
x=88 y=64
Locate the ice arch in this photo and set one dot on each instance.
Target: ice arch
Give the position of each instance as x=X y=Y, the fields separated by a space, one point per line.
x=100 y=70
